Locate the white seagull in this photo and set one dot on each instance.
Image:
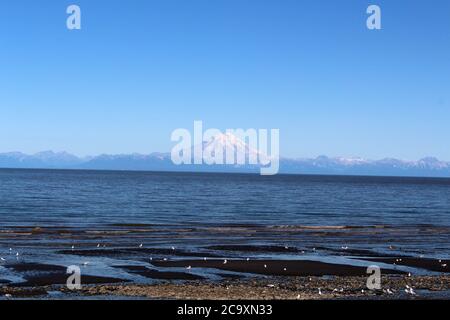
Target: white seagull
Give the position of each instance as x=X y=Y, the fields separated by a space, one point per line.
x=410 y=290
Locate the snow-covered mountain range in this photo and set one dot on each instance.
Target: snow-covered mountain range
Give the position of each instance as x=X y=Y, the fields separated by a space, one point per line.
x=431 y=167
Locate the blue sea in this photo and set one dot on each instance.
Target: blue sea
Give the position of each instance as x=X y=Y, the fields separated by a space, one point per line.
x=45 y=211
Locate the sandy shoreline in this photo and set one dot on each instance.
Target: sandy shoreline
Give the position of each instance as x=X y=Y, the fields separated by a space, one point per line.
x=278 y=288
x=264 y=279
x=142 y=263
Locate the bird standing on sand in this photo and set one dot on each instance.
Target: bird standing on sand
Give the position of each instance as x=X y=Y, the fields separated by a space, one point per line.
x=225 y=261
x=320 y=292
x=410 y=290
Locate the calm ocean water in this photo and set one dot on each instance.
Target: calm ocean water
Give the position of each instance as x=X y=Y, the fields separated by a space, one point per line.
x=94 y=198
x=46 y=210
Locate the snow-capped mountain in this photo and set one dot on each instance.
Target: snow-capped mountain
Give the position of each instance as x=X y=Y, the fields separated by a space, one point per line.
x=229 y=145
x=45 y=159
x=357 y=166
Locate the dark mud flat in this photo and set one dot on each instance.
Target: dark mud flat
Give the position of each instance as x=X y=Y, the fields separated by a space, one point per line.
x=129 y=252
x=360 y=253
x=436 y=265
x=159 y=275
x=39 y=275
x=255 y=249
x=422 y=263
x=298 y=268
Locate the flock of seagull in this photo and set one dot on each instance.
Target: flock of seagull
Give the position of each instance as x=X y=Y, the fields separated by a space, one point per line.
x=408 y=289
x=11 y=253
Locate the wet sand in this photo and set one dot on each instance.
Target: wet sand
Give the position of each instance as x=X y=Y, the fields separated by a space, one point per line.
x=152 y=261
x=247 y=279
x=291 y=268
x=160 y=275
x=437 y=265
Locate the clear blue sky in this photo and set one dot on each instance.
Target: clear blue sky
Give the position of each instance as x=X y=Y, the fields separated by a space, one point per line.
x=139 y=69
